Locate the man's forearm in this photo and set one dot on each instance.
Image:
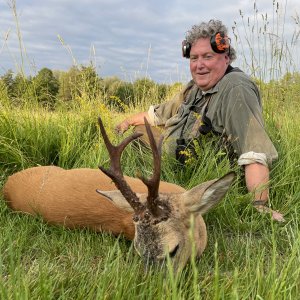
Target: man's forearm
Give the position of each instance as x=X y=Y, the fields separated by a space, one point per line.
x=137 y=119
x=257 y=180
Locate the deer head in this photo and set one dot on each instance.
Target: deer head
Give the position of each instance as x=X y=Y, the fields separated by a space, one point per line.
x=163 y=221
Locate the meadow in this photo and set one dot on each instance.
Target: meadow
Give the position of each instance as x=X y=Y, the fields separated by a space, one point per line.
x=248 y=255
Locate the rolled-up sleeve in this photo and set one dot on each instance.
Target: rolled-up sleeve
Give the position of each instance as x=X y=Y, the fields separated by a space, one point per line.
x=252 y=157
x=160 y=113
x=153 y=118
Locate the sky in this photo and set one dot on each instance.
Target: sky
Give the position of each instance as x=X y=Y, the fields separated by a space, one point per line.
x=136 y=38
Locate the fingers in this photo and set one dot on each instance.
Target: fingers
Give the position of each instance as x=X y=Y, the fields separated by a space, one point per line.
x=276 y=216
x=122 y=127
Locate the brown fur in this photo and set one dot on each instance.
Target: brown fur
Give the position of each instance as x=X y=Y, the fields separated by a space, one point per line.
x=69 y=198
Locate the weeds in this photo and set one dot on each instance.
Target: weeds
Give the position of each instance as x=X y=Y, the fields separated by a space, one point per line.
x=248 y=256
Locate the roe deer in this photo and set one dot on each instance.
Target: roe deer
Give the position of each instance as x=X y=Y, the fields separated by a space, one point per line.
x=153 y=213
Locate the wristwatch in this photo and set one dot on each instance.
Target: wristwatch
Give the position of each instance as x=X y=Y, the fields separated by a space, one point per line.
x=259 y=202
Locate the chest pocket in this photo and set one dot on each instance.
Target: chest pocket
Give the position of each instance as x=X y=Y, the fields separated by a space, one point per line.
x=201 y=124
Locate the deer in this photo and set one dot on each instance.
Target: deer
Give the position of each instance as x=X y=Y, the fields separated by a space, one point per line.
x=157 y=216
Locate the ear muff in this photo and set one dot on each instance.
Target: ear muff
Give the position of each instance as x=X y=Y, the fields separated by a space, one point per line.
x=186 y=49
x=220 y=42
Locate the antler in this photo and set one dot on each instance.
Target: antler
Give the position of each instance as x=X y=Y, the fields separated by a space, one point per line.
x=157 y=209
x=153 y=182
x=115 y=172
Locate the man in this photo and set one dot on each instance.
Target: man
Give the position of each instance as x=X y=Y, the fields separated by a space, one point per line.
x=226 y=102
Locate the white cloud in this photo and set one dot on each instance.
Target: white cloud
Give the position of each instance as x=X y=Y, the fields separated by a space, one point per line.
x=122 y=32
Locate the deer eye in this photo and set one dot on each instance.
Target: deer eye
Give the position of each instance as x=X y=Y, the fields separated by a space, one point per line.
x=174 y=251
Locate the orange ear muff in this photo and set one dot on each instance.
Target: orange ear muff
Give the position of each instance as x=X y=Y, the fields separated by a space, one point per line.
x=220 y=42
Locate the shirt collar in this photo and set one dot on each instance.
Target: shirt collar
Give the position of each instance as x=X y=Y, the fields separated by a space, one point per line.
x=213 y=90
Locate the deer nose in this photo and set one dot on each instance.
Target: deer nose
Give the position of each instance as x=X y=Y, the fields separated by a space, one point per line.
x=149 y=259
x=153 y=262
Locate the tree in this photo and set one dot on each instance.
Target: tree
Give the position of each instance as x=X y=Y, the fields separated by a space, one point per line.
x=89 y=82
x=8 y=81
x=46 y=87
x=79 y=82
x=67 y=84
x=18 y=87
x=4 y=97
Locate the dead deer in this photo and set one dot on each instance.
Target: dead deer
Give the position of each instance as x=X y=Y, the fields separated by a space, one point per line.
x=155 y=214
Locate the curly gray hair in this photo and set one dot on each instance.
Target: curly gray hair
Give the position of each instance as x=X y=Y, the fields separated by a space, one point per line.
x=207 y=30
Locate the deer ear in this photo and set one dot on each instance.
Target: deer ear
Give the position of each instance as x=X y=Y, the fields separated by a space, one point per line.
x=117 y=198
x=207 y=195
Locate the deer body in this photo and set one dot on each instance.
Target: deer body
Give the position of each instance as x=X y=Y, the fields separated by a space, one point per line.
x=69 y=198
x=162 y=218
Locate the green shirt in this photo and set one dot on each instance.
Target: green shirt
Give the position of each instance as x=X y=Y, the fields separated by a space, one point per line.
x=234 y=109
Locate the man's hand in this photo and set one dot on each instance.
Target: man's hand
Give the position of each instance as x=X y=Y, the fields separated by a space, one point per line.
x=276 y=216
x=135 y=120
x=122 y=127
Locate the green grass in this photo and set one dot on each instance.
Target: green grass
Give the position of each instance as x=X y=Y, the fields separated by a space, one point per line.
x=248 y=255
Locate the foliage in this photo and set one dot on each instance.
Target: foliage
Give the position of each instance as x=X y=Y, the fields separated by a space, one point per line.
x=248 y=256
x=55 y=89
x=4 y=96
x=17 y=88
x=7 y=80
x=46 y=87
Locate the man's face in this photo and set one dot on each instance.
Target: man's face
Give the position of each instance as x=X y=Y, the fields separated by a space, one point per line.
x=207 y=67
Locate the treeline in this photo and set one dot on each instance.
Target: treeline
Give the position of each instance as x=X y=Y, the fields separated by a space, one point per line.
x=56 y=89
x=52 y=89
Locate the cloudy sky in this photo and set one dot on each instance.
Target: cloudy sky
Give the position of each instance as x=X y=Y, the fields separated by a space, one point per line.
x=134 y=38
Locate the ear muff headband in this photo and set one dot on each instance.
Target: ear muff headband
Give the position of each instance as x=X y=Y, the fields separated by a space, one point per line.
x=220 y=43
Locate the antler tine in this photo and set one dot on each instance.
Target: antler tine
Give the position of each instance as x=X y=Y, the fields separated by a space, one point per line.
x=115 y=171
x=153 y=182
x=116 y=151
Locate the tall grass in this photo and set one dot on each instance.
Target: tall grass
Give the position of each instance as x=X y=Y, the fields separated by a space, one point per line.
x=248 y=256
x=266 y=47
